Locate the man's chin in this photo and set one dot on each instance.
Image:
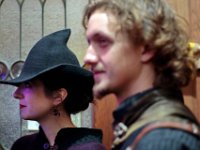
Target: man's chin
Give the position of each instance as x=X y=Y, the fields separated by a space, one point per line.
x=100 y=93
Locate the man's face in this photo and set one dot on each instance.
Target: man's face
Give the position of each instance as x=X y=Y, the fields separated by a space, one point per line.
x=114 y=60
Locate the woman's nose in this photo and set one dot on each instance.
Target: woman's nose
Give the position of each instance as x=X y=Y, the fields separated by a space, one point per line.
x=17 y=94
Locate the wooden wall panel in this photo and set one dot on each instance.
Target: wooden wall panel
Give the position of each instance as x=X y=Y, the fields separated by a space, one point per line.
x=194 y=19
x=188 y=9
x=181 y=6
x=196 y=102
x=103 y=117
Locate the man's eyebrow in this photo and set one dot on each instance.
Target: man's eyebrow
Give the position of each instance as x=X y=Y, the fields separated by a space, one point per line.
x=94 y=35
x=99 y=34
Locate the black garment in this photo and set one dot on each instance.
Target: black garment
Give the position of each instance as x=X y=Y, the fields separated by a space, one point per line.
x=155 y=105
x=1 y=147
x=67 y=138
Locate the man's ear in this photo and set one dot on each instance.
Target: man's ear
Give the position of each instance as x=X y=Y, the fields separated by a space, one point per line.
x=146 y=54
x=59 y=96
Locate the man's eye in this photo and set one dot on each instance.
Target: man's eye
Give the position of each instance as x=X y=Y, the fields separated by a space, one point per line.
x=103 y=42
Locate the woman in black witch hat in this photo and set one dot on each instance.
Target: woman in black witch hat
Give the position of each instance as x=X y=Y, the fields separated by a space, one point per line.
x=50 y=88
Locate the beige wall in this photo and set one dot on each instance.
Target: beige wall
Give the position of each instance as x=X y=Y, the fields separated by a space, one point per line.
x=54 y=18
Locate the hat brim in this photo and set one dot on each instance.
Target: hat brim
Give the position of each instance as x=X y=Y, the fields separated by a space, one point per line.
x=85 y=75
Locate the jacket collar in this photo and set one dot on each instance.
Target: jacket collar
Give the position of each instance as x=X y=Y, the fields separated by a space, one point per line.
x=132 y=107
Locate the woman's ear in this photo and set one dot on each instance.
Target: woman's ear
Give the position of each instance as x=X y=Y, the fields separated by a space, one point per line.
x=59 y=96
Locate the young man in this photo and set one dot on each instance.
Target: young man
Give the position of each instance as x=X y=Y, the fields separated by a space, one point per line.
x=138 y=51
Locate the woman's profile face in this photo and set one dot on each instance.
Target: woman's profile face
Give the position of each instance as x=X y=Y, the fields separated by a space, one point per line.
x=33 y=102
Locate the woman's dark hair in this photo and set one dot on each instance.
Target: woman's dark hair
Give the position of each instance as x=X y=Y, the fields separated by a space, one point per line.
x=78 y=97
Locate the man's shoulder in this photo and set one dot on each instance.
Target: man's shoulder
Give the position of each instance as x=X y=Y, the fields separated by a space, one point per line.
x=166 y=138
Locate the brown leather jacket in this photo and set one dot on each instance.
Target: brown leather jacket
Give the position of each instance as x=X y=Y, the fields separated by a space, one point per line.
x=140 y=110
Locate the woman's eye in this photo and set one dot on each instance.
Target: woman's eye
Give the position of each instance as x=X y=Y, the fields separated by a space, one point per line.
x=27 y=84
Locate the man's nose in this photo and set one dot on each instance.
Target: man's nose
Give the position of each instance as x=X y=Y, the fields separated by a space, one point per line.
x=90 y=56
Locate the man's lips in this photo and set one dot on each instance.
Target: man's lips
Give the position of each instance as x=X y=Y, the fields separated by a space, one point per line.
x=94 y=71
x=98 y=75
x=21 y=106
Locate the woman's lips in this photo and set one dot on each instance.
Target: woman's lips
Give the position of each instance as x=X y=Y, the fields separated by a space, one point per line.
x=21 y=106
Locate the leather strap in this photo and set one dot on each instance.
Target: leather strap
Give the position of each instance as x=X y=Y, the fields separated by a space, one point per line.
x=188 y=127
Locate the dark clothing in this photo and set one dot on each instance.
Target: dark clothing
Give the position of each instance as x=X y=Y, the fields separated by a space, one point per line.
x=1 y=148
x=151 y=106
x=66 y=139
